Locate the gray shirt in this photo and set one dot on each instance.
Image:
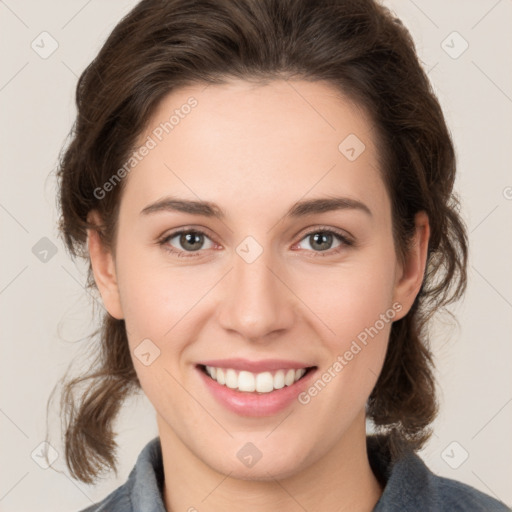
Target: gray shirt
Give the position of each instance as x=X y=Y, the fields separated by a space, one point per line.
x=408 y=485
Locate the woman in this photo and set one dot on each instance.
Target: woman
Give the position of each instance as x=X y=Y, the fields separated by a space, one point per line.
x=263 y=189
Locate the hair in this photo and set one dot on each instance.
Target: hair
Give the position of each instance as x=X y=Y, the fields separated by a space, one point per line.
x=357 y=46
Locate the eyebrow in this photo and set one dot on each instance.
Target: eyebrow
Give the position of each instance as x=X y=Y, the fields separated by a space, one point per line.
x=299 y=209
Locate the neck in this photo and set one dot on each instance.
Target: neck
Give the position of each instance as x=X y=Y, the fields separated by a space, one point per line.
x=339 y=481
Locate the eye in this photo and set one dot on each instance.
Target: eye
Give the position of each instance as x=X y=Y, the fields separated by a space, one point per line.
x=321 y=241
x=186 y=241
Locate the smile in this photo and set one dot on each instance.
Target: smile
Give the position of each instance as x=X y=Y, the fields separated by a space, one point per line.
x=264 y=382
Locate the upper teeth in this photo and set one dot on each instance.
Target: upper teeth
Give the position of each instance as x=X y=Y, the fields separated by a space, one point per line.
x=261 y=382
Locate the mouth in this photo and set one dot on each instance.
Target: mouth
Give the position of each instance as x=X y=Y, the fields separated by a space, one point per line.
x=255 y=383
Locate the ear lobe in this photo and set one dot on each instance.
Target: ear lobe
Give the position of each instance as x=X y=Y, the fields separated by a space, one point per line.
x=410 y=274
x=103 y=268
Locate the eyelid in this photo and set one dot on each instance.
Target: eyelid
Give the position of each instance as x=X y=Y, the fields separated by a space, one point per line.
x=343 y=234
x=201 y=230
x=345 y=238
x=186 y=229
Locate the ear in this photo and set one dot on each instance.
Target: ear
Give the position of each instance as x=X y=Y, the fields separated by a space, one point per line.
x=103 y=267
x=410 y=273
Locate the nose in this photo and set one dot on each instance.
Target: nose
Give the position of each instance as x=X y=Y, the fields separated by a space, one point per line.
x=257 y=303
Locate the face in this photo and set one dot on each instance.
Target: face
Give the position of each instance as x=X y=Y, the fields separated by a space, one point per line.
x=289 y=265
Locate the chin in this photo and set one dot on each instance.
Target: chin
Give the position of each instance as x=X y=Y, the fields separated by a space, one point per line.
x=274 y=465
x=261 y=472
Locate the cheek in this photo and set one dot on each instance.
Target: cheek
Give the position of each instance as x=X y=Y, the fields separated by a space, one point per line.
x=359 y=304
x=356 y=306
x=361 y=322
x=157 y=302
x=155 y=296
x=353 y=297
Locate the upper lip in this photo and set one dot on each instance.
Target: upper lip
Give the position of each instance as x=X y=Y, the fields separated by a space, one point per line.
x=255 y=366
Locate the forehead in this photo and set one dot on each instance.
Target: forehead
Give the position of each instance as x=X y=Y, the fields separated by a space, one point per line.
x=267 y=143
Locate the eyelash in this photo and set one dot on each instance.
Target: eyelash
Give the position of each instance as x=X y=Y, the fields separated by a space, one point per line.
x=345 y=242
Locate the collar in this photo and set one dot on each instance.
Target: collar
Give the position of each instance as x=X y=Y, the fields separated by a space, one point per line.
x=408 y=484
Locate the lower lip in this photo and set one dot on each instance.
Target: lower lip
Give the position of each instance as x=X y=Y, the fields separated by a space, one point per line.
x=256 y=404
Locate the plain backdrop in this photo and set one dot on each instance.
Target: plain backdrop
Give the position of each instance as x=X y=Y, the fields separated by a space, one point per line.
x=47 y=315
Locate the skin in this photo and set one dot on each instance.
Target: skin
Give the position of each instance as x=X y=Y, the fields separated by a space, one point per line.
x=255 y=151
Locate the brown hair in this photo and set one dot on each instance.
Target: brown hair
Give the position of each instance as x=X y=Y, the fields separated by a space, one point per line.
x=355 y=45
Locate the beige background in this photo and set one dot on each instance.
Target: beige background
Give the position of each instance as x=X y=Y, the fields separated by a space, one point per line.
x=46 y=312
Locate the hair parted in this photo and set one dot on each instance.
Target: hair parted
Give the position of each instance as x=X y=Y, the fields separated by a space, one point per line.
x=357 y=46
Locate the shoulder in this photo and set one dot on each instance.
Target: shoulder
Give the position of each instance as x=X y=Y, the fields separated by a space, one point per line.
x=143 y=488
x=409 y=485
x=116 y=501
x=456 y=496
